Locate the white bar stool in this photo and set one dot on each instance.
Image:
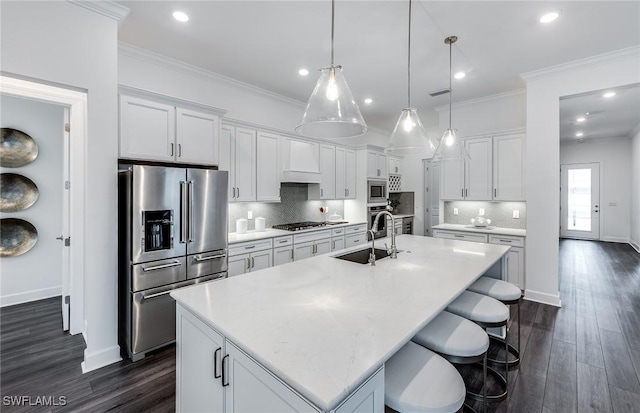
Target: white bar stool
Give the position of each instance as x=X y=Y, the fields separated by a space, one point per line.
x=508 y=294
x=459 y=341
x=487 y=312
x=419 y=380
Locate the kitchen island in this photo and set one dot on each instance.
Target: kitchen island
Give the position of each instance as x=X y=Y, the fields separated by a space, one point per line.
x=314 y=334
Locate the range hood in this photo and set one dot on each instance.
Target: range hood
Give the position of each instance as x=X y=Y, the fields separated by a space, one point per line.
x=301 y=162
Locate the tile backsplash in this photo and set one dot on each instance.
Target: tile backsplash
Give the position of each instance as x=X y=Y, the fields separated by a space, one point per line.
x=500 y=213
x=293 y=207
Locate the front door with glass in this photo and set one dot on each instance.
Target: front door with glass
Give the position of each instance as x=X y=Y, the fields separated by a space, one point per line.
x=580 y=201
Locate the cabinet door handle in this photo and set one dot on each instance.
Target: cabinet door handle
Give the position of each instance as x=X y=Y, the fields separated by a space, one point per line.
x=291 y=254
x=171 y=148
x=321 y=193
x=333 y=245
x=253 y=262
x=238 y=190
x=495 y=192
x=466 y=193
x=179 y=150
x=225 y=382
x=216 y=375
x=233 y=192
x=248 y=264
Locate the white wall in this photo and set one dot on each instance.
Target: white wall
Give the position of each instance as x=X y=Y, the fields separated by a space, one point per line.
x=62 y=43
x=37 y=274
x=635 y=190
x=614 y=157
x=542 y=180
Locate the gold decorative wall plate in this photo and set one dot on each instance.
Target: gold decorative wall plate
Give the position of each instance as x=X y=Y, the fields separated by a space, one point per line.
x=17 y=236
x=17 y=192
x=16 y=148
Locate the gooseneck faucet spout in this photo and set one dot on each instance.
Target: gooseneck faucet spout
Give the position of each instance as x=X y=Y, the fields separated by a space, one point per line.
x=372 y=254
x=393 y=251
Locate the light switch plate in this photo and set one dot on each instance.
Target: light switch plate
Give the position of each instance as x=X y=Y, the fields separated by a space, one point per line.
x=455 y=211
x=516 y=214
x=481 y=212
x=250 y=215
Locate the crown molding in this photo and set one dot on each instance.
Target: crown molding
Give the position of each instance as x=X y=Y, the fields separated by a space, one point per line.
x=483 y=99
x=106 y=8
x=632 y=52
x=147 y=56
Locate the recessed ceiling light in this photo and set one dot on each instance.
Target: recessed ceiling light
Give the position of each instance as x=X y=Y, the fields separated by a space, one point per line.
x=459 y=75
x=303 y=72
x=550 y=16
x=581 y=119
x=180 y=16
x=609 y=95
x=368 y=101
x=579 y=134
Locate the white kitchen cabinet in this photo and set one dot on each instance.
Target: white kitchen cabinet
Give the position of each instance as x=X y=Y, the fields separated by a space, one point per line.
x=460 y=235
x=311 y=243
x=395 y=165
x=337 y=239
x=238 y=156
x=514 y=264
x=282 y=250
x=345 y=173
x=198 y=389
x=376 y=165
x=268 y=168
x=470 y=180
x=252 y=388
x=508 y=168
x=147 y=130
x=197 y=137
x=397 y=228
x=355 y=239
x=155 y=131
x=249 y=256
x=369 y=397
x=327 y=172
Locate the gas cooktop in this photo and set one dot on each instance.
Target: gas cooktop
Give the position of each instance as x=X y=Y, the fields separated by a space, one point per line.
x=299 y=226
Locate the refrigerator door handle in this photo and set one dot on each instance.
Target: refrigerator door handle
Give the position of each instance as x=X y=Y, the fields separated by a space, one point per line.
x=162 y=266
x=190 y=189
x=183 y=211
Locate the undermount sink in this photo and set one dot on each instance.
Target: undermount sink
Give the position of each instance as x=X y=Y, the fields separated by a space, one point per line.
x=362 y=256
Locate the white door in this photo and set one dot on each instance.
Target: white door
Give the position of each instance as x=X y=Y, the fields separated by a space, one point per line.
x=282 y=255
x=245 y=164
x=302 y=251
x=341 y=184
x=580 y=201
x=350 y=173
x=196 y=137
x=323 y=246
x=328 y=172
x=477 y=171
x=268 y=173
x=260 y=260
x=238 y=265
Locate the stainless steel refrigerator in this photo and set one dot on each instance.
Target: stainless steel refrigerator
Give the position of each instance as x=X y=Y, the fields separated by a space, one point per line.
x=172 y=234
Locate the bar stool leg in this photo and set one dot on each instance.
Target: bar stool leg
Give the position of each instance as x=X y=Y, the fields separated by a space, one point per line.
x=484 y=383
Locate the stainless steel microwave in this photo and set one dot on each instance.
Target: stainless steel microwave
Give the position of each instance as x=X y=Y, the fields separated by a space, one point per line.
x=377 y=191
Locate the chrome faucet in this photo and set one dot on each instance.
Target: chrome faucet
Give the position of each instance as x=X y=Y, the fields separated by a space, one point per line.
x=393 y=251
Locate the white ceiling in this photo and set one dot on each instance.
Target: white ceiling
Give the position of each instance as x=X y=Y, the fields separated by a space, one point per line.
x=264 y=43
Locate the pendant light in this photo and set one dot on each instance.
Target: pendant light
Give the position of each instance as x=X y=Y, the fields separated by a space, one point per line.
x=409 y=135
x=332 y=112
x=450 y=146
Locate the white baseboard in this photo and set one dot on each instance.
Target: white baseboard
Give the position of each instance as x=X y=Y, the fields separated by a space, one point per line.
x=634 y=245
x=544 y=298
x=615 y=239
x=97 y=359
x=33 y=295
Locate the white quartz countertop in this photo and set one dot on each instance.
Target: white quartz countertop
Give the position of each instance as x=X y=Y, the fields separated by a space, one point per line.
x=323 y=325
x=488 y=230
x=234 y=237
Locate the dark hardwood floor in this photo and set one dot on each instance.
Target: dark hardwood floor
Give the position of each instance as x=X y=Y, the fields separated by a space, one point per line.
x=583 y=357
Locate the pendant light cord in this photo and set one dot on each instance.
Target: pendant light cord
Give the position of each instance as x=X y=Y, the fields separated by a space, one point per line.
x=409 y=61
x=333 y=6
x=450 y=90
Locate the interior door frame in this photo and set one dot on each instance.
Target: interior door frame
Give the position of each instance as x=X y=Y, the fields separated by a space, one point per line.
x=562 y=199
x=76 y=103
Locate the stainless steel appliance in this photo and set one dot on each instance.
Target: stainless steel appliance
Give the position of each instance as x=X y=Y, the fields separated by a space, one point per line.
x=376 y=191
x=172 y=233
x=299 y=226
x=380 y=230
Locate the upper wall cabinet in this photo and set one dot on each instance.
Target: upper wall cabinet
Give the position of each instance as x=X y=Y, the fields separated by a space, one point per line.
x=345 y=173
x=376 y=165
x=495 y=171
x=155 y=131
x=327 y=172
x=268 y=168
x=508 y=168
x=238 y=156
x=395 y=165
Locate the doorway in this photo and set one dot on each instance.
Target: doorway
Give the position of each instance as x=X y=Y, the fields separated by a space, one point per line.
x=580 y=201
x=73 y=125
x=431 y=196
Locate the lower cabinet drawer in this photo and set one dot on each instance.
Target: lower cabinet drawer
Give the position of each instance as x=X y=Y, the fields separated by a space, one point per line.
x=461 y=236
x=355 y=239
x=506 y=240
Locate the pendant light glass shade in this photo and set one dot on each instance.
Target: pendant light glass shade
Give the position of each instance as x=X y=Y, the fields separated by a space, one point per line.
x=450 y=147
x=332 y=112
x=409 y=135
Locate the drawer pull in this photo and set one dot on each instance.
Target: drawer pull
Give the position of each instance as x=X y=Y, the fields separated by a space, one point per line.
x=216 y=375
x=225 y=383
x=160 y=267
x=249 y=247
x=506 y=240
x=283 y=241
x=213 y=257
x=458 y=236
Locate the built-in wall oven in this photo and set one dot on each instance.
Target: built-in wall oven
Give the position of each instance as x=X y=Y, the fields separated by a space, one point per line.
x=376 y=191
x=380 y=231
